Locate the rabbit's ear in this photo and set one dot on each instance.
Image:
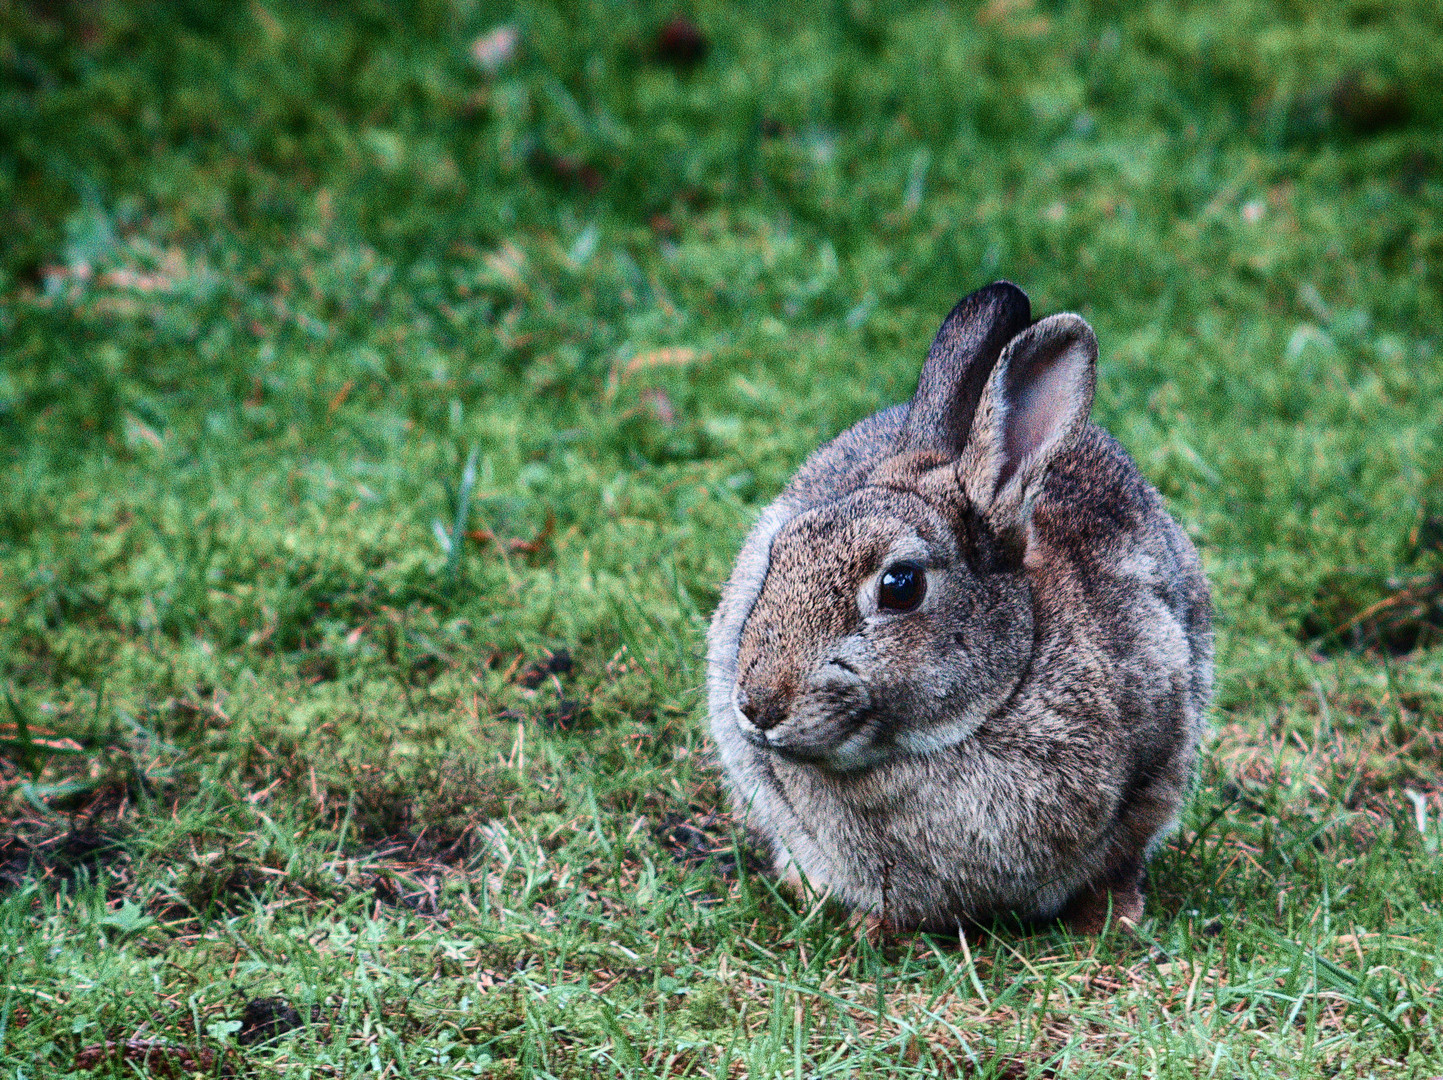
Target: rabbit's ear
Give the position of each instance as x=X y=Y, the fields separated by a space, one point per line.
x=957 y=367
x=1035 y=403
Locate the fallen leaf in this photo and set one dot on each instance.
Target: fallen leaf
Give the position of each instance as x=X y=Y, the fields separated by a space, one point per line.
x=679 y=357
x=681 y=43
x=555 y=662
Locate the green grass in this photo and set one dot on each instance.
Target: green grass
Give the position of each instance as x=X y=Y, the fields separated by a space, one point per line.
x=342 y=382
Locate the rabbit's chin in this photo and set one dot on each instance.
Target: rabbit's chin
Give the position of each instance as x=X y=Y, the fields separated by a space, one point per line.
x=846 y=758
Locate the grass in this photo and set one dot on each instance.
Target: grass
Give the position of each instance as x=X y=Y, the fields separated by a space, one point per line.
x=377 y=425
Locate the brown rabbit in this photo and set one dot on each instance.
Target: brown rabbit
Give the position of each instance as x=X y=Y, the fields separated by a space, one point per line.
x=962 y=663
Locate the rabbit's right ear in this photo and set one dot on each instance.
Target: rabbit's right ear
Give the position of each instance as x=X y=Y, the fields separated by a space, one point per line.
x=957 y=367
x=1035 y=403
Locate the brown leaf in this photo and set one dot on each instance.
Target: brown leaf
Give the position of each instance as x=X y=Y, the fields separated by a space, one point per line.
x=678 y=357
x=555 y=662
x=681 y=43
x=516 y=543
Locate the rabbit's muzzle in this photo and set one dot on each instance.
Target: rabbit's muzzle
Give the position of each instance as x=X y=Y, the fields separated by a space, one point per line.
x=762 y=709
x=828 y=722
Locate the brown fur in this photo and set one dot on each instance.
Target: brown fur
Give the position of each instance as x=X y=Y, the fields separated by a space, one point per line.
x=1020 y=741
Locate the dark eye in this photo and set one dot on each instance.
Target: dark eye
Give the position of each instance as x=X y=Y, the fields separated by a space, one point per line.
x=903 y=586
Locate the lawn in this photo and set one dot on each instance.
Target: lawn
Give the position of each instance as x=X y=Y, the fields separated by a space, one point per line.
x=385 y=389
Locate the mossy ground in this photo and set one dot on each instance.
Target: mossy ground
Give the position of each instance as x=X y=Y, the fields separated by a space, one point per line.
x=275 y=728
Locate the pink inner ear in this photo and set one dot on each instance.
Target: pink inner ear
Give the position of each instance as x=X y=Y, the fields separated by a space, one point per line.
x=1042 y=408
x=1044 y=401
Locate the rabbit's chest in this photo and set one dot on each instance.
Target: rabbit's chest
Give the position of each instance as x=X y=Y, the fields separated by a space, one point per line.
x=901 y=816
x=930 y=840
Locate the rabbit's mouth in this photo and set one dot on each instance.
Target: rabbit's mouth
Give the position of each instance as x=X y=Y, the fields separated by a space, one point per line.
x=840 y=740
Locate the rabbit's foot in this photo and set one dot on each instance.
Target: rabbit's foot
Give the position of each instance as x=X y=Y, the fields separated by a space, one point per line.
x=1119 y=898
x=805 y=888
x=871 y=925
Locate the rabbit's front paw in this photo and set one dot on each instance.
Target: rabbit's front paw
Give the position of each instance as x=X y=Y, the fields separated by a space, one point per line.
x=1120 y=900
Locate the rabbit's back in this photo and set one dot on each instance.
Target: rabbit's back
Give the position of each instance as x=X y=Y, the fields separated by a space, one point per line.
x=1108 y=547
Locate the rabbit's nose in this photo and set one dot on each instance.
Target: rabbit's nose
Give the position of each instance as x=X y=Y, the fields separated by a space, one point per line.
x=763 y=707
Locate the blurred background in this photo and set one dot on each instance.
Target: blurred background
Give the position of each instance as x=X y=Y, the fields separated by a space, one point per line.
x=368 y=238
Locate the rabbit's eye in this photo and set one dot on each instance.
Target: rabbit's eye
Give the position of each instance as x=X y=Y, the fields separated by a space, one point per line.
x=903 y=586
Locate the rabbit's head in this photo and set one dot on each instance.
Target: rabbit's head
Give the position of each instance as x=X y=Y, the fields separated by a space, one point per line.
x=895 y=617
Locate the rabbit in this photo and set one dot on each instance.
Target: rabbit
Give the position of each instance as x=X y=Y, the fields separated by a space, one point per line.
x=961 y=666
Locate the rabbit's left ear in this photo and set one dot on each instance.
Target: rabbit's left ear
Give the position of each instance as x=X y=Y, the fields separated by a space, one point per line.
x=958 y=364
x=1035 y=403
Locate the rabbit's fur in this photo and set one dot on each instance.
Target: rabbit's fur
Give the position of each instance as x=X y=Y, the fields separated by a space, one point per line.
x=1023 y=738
